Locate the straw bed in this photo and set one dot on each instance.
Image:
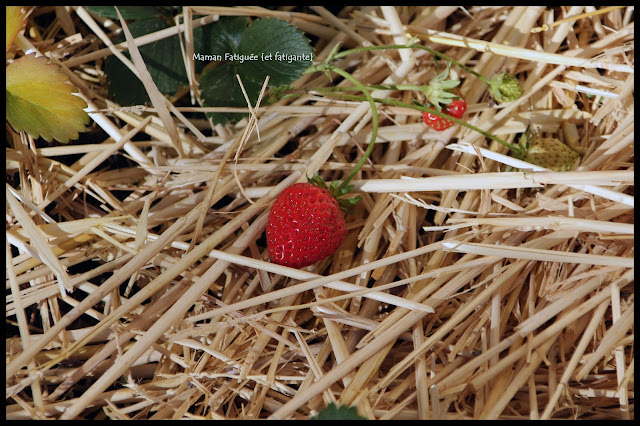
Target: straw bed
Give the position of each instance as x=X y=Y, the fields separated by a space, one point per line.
x=470 y=285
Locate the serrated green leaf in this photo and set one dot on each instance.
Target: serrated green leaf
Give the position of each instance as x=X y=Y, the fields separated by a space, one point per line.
x=264 y=48
x=225 y=35
x=159 y=57
x=284 y=52
x=40 y=101
x=220 y=88
x=128 y=12
x=334 y=412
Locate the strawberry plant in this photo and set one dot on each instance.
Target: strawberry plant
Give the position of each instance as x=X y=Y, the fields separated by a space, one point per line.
x=15 y=23
x=40 y=101
x=300 y=234
x=504 y=87
x=295 y=220
x=268 y=47
x=39 y=98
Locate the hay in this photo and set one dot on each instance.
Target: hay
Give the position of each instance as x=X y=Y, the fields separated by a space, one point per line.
x=465 y=288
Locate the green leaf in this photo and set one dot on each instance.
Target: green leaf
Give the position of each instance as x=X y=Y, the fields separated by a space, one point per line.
x=283 y=52
x=40 y=102
x=342 y=412
x=317 y=180
x=347 y=204
x=267 y=47
x=225 y=35
x=128 y=12
x=162 y=58
x=220 y=88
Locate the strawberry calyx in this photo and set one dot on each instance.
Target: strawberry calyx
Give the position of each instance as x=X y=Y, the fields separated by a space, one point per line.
x=337 y=191
x=526 y=140
x=439 y=90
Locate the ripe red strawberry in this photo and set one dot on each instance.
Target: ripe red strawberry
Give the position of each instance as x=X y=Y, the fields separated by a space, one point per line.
x=305 y=225
x=438 y=124
x=456 y=109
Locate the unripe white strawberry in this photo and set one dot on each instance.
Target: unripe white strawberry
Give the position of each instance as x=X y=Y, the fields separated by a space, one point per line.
x=549 y=153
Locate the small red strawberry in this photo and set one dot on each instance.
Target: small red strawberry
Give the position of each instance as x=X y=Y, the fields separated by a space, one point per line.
x=437 y=123
x=443 y=97
x=456 y=109
x=306 y=223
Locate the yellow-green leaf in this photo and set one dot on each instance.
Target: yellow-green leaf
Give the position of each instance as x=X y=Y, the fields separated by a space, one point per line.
x=15 y=21
x=40 y=102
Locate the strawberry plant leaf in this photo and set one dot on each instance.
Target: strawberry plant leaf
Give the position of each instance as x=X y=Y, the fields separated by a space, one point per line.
x=225 y=35
x=128 y=12
x=335 y=412
x=220 y=88
x=162 y=58
x=39 y=100
x=15 y=22
x=267 y=47
x=284 y=52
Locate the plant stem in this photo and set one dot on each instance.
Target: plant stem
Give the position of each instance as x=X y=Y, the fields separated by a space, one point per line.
x=517 y=150
x=374 y=118
x=373 y=87
x=412 y=46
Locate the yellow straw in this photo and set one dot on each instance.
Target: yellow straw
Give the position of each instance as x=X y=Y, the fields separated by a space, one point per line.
x=575 y=18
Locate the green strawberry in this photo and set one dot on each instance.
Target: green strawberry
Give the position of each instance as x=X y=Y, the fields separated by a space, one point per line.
x=505 y=87
x=549 y=153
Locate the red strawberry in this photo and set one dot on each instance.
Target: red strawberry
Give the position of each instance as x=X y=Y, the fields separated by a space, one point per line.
x=305 y=225
x=456 y=109
x=436 y=123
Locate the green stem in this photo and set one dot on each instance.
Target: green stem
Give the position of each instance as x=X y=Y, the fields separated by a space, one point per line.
x=517 y=150
x=372 y=87
x=326 y=67
x=374 y=118
x=412 y=46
